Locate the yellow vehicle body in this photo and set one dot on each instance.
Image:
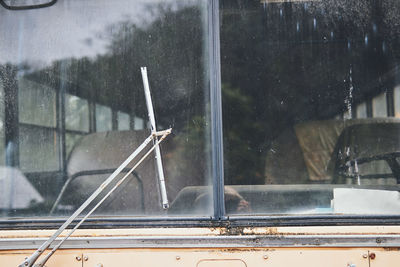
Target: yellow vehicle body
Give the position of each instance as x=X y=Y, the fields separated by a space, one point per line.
x=208 y=247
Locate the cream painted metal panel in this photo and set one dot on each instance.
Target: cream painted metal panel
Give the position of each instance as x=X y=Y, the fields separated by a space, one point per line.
x=313 y=257
x=64 y=258
x=219 y=263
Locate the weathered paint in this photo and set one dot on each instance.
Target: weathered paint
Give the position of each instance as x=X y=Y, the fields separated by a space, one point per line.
x=282 y=257
x=215 y=257
x=315 y=230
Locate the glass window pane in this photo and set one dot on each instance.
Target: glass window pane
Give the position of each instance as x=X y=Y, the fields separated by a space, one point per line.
x=123 y=121
x=103 y=118
x=396 y=96
x=36 y=103
x=97 y=72
x=362 y=110
x=38 y=149
x=76 y=113
x=138 y=123
x=70 y=140
x=288 y=68
x=379 y=106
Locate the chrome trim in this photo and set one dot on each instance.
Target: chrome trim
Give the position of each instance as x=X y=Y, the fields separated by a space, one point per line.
x=242 y=241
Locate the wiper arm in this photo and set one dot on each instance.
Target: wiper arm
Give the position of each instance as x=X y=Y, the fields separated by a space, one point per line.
x=32 y=259
x=44 y=260
x=29 y=262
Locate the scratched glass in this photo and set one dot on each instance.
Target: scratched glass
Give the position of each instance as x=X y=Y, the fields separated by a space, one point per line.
x=72 y=105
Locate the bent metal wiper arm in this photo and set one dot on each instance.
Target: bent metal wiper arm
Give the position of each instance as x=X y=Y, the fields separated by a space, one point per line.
x=30 y=261
x=152 y=120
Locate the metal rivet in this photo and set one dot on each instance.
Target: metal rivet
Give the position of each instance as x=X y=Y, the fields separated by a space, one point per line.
x=78 y=258
x=372 y=255
x=178 y=258
x=86 y=258
x=26 y=263
x=365 y=256
x=265 y=257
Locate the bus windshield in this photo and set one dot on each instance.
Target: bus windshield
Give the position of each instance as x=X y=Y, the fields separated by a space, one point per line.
x=309 y=93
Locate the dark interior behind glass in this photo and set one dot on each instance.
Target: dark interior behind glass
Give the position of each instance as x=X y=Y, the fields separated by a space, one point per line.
x=311 y=105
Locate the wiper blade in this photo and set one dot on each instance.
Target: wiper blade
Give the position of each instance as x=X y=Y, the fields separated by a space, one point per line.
x=30 y=261
x=163 y=190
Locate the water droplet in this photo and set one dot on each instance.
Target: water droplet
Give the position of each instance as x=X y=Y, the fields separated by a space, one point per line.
x=281 y=12
x=315 y=23
x=298 y=26
x=366 y=39
x=331 y=35
x=348 y=45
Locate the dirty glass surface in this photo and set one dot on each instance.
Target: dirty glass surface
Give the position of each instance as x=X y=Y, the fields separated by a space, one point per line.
x=310 y=93
x=72 y=105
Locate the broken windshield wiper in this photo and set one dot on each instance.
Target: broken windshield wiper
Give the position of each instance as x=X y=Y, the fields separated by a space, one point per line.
x=152 y=120
x=153 y=137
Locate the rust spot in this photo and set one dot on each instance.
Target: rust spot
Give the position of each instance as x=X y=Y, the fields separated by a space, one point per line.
x=372 y=255
x=240 y=250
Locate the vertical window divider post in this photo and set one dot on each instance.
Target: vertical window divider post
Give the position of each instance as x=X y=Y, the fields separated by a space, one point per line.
x=217 y=164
